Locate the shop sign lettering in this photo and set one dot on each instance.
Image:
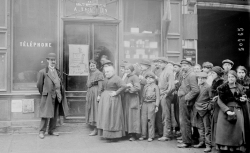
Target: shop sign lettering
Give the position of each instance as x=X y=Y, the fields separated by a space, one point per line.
x=35 y=44
x=241 y=39
x=91 y=8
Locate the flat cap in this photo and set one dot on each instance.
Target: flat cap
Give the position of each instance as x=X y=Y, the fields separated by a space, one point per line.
x=207 y=65
x=161 y=59
x=218 y=70
x=145 y=62
x=171 y=62
x=184 y=61
x=177 y=64
x=228 y=61
x=150 y=74
x=202 y=75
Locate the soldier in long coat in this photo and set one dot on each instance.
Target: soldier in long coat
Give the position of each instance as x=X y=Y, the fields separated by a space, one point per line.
x=50 y=86
x=132 y=103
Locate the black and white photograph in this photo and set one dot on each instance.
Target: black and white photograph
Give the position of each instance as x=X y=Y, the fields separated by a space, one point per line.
x=124 y=76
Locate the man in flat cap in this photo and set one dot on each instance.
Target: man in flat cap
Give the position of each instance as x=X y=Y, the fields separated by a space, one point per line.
x=206 y=67
x=166 y=86
x=50 y=86
x=227 y=66
x=158 y=69
x=187 y=94
x=177 y=82
x=202 y=114
x=145 y=66
x=161 y=64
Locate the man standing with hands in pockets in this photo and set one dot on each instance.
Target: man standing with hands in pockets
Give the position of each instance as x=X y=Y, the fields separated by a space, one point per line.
x=50 y=86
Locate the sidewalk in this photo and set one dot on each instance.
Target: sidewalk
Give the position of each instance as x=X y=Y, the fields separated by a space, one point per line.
x=74 y=139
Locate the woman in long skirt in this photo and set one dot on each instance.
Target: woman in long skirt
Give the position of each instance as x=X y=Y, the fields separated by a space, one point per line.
x=132 y=103
x=110 y=113
x=94 y=85
x=232 y=131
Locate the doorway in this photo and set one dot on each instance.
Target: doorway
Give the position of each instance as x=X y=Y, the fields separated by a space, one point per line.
x=223 y=34
x=101 y=41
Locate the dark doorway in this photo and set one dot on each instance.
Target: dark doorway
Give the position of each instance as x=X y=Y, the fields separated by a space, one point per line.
x=223 y=34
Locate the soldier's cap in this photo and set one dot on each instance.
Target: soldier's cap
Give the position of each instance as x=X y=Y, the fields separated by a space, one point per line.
x=145 y=62
x=107 y=62
x=150 y=74
x=51 y=56
x=184 y=61
x=177 y=64
x=228 y=61
x=202 y=75
x=207 y=65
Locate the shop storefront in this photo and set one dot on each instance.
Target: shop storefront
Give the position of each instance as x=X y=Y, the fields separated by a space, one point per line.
x=77 y=31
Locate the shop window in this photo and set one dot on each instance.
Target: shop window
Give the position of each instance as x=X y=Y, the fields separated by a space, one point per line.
x=91 y=8
x=34 y=35
x=142 y=29
x=94 y=41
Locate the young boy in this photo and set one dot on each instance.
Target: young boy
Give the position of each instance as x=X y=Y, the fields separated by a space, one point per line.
x=150 y=103
x=201 y=113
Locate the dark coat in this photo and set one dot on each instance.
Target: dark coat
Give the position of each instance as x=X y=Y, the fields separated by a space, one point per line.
x=189 y=87
x=46 y=88
x=214 y=106
x=230 y=133
x=202 y=101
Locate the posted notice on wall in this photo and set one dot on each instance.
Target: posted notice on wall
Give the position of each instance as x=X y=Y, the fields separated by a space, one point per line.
x=16 y=106
x=78 y=60
x=22 y=106
x=28 y=105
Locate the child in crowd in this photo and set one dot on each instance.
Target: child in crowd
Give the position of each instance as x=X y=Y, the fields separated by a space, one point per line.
x=150 y=103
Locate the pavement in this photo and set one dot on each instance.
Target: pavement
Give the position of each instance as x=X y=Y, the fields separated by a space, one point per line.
x=74 y=139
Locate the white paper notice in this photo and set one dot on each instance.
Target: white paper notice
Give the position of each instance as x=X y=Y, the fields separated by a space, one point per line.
x=28 y=105
x=16 y=106
x=78 y=60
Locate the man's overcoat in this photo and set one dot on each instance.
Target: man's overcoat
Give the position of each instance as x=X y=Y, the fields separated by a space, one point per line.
x=47 y=89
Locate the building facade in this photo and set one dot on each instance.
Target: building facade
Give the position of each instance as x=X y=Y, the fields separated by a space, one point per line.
x=80 y=30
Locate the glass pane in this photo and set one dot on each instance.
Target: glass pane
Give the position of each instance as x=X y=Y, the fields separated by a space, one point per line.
x=142 y=29
x=91 y=8
x=75 y=34
x=105 y=43
x=35 y=35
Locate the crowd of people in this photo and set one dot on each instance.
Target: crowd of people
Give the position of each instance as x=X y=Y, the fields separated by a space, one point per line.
x=200 y=106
